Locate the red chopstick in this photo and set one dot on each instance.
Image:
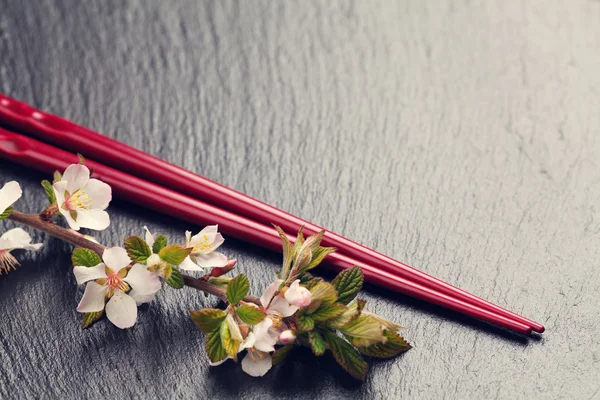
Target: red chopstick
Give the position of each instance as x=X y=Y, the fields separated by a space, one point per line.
x=46 y=158
x=68 y=135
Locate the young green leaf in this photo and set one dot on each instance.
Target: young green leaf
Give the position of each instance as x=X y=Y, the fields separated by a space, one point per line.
x=385 y=324
x=288 y=253
x=208 y=319
x=49 y=191
x=159 y=243
x=280 y=354
x=137 y=249
x=214 y=346
x=346 y=356
x=90 y=317
x=250 y=314
x=325 y=292
x=348 y=283
x=317 y=343
x=237 y=289
x=328 y=311
x=394 y=345
x=352 y=312
x=363 y=331
x=230 y=344
x=6 y=213
x=85 y=258
x=175 y=279
x=81 y=159
x=174 y=254
x=56 y=177
x=318 y=255
x=306 y=323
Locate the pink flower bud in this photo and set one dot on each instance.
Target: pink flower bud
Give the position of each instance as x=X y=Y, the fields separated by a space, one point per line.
x=287 y=337
x=297 y=295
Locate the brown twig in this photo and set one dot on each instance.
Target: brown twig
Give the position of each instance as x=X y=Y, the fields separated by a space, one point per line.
x=38 y=222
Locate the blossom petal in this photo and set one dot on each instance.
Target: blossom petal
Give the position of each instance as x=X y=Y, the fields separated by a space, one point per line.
x=116 y=258
x=17 y=238
x=121 y=310
x=258 y=366
x=93 y=298
x=216 y=364
x=70 y=220
x=76 y=176
x=149 y=237
x=189 y=265
x=265 y=299
x=265 y=339
x=142 y=281
x=93 y=219
x=219 y=240
x=141 y=299
x=297 y=295
x=282 y=306
x=210 y=260
x=210 y=231
x=248 y=343
x=10 y=192
x=84 y=274
x=99 y=192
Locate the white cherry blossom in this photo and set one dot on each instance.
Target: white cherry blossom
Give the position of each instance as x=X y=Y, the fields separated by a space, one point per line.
x=82 y=200
x=124 y=288
x=203 y=253
x=10 y=192
x=14 y=239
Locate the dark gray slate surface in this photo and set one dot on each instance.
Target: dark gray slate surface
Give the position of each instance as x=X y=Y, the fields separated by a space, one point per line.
x=460 y=137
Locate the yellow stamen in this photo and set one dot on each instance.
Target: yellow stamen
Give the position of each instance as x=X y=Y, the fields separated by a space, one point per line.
x=79 y=199
x=204 y=245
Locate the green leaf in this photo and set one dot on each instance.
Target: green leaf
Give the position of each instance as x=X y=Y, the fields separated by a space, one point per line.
x=306 y=323
x=81 y=159
x=280 y=354
x=208 y=319
x=250 y=314
x=328 y=311
x=346 y=356
x=6 y=213
x=214 y=346
x=348 y=283
x=325 y=292
x=175 y=279
x=174 y=254
x=352 y=312
x=90 y=317
x=385 y=324
x=85 y=258
x=220 y=281
x=56 y=177
x=230 y=345
x=317 y=343
x=137 y=249
x=299 y=240
x=159 y=243
x=49 y=191
x=288 y=252
x=363 y=331
x=318 y=255
x=237 y=289
x=394 y=345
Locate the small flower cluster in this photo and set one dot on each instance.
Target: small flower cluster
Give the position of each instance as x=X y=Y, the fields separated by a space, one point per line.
x=295 y=309
x=298 y=308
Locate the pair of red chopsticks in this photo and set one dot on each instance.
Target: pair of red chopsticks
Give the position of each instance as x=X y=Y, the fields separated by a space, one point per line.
x=172 y=190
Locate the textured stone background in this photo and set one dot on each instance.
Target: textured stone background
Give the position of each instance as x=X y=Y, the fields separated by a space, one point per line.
x=461 y=137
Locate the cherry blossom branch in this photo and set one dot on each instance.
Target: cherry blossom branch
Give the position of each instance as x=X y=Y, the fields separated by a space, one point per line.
x=41 y=223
